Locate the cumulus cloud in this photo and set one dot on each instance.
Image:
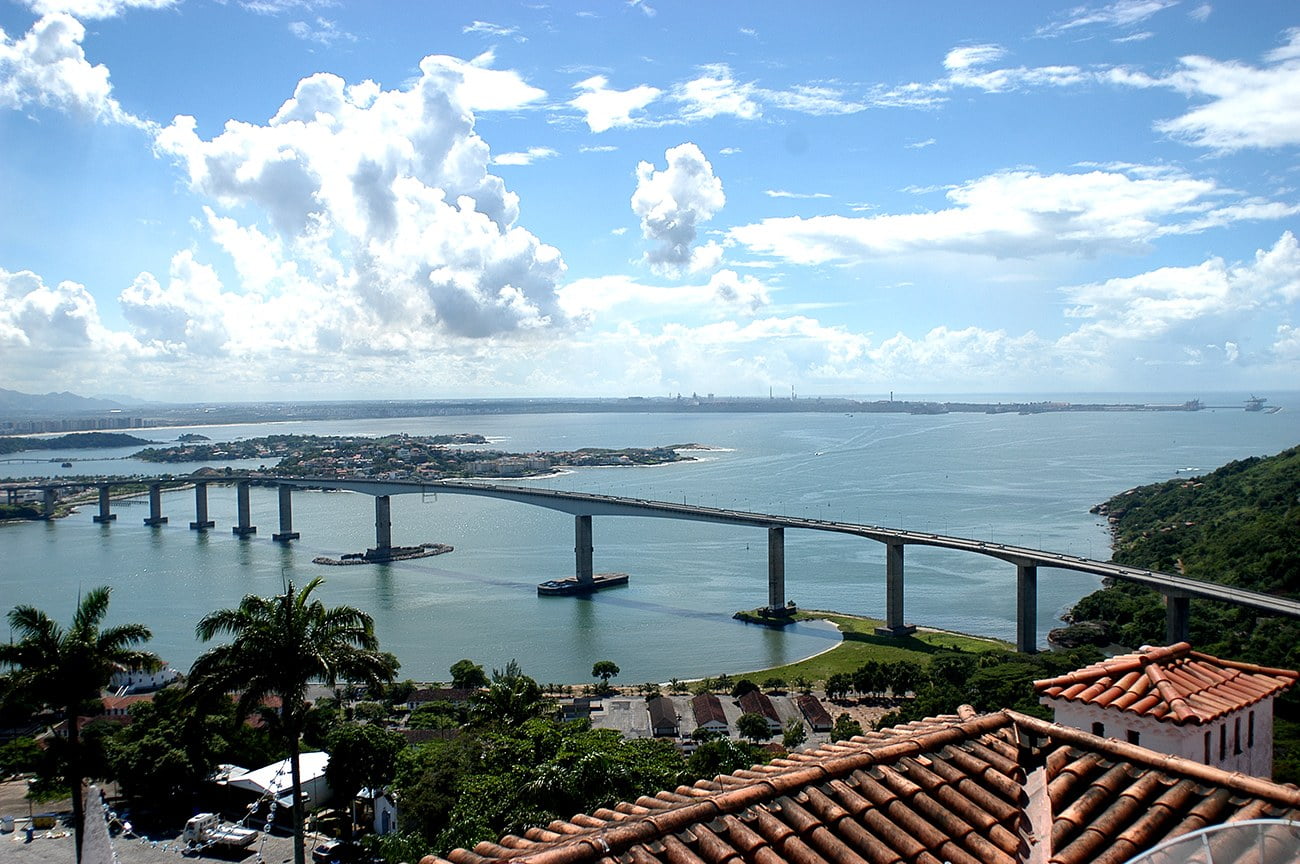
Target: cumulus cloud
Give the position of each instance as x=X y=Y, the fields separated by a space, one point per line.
x=672 y=203
x=48 y=67
x=1248 y=106
x=90 y=9
x=1153 y=303
x=1013 y=214
x=379 y=200
x=605 y=108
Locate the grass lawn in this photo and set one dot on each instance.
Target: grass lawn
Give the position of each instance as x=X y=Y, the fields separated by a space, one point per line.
x=860 y=644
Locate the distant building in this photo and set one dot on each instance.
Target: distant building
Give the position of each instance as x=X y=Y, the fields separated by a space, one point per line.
x=819 y=719
x=708 y=712
x=756 y=702
x=1177 y=701
x=141 y=681
x=663 y=717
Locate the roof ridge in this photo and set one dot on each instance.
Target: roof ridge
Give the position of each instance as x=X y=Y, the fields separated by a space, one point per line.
x=1252 y=668
x=1236 y=780
x=1168 y=690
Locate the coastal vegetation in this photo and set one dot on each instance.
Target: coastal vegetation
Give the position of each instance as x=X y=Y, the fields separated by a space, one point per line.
x=76 y=441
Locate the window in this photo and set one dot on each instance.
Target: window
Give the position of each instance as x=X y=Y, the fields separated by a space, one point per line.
x=1236 y=737
x=1207 y=747
x=1133 y=736
x=1099 y=729
x=1223 y=742
x=1250 y=729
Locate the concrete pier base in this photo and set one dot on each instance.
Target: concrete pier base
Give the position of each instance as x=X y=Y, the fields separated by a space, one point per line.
x=155 y=506
x=104 y=515
x=201 y=521
x=245 y=526
x=51 y=500
x=1027 y=608
x=1178 y=617
x=383 y=528
x=583 y=550
x=894 y=623
x=286 y=532
x=776 y=569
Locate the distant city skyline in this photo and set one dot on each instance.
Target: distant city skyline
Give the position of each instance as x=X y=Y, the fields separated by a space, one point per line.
x=310 y=199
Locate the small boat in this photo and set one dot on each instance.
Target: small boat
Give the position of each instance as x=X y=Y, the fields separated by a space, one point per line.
x=571 y=585
x=65 y=465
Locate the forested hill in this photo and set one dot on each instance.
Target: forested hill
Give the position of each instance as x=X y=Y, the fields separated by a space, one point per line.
x=1238 y=525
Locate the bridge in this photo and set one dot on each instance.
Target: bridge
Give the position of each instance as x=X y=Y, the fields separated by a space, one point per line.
x=583 y=506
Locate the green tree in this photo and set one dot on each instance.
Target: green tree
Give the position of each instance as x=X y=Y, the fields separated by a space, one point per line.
x=753 y=726
x=64 y=669
x=845 y=727
x=510 y=699
x=604 y=670
x=278 y=646
x=774 y=684
x=467 y=675
x=361 y=756
x=743 y=686
x=795 y=733
x=721 y=755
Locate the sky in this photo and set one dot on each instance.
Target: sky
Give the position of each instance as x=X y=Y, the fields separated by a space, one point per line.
x=359 y=199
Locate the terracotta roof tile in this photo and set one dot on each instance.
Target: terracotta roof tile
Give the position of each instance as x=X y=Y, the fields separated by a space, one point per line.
x=951 y=790
x=1173 y=684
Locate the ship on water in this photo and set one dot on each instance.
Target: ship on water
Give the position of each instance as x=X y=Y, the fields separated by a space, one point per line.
x=1256 y=403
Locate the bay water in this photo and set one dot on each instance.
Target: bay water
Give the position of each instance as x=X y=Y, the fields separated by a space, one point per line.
x=1028 y=480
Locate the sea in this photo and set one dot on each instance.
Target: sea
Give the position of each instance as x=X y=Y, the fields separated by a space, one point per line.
x=1020 y=479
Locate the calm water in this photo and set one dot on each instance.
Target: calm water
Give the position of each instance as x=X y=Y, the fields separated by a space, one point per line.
x=1026 y=480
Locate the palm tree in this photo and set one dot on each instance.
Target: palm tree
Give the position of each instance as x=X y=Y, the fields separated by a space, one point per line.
x=278 y=646
x=64 y=669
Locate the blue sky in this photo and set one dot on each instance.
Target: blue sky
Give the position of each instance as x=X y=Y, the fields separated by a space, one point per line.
x=298 y=199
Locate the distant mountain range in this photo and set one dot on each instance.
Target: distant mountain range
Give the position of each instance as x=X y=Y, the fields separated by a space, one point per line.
x=46 y=403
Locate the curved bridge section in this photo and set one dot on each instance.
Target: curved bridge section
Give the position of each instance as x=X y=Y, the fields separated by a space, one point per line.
x=583 y=506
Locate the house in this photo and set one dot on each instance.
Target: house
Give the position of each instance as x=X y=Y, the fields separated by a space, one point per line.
x=819 y=719
x=275 y=780
x=663 y=717
x=998 y=788
x=142 y=681
x=708 y=712
x=580 y=707
x=756 y=702
x=1177 y=701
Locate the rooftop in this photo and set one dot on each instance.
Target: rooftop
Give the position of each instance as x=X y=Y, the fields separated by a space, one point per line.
x=993 y=789
x=1174 y=684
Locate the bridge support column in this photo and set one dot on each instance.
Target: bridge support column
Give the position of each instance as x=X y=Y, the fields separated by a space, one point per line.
x=245 y=526
x=201 y=521
x=1178 y=617
x=776 y=569
x=383 y=528
x=1027 y=608
x=582 y=549
x=155 y=506
x=286 y=532
x=104 y=515
x=894 y=623
x=51 y=500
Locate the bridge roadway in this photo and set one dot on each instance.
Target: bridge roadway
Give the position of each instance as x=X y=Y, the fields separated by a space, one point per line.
x=584 y=505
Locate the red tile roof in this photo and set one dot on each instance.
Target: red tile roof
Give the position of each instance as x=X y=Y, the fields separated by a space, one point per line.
x=706 y=708
x=755 y=702
x=993 y=789
x=1173 y=684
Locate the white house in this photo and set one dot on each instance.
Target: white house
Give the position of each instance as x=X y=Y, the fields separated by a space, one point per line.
x=1178 y=701
x=276 y=780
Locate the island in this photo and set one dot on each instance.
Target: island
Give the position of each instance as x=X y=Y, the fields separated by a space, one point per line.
x=79 y=441
x=408 y=457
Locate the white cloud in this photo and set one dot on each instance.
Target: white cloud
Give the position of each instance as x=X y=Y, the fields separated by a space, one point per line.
x=672 y=202
x=725 y=294
x=323 y=32
x=92 y=9
x=487 y=28
x=598 y=148
x=1249 y=106
x=968 y=56
x=1123 y=13
x=921 y=145
x=48 y=67
x=383 y=228
x=605 y=108
x=1013 y=214
x=526 y=157
x=1151 y=304
x=781 y=193
x=716 y=93
x=1201 y=13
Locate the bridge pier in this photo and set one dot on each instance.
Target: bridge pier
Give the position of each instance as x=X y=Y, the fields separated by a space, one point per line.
x=776 y=569
x=51 y=498
x=1178 y=617
x=582 y=550
x=104 y=515
x=155 y=506
x=894 y=623
x=383 y=528
x=201 y=521
x=286 y=532
x=1027 y=608
x=245 y=526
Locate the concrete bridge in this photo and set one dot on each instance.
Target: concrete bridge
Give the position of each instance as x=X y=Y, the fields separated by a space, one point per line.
x=1177 y=590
